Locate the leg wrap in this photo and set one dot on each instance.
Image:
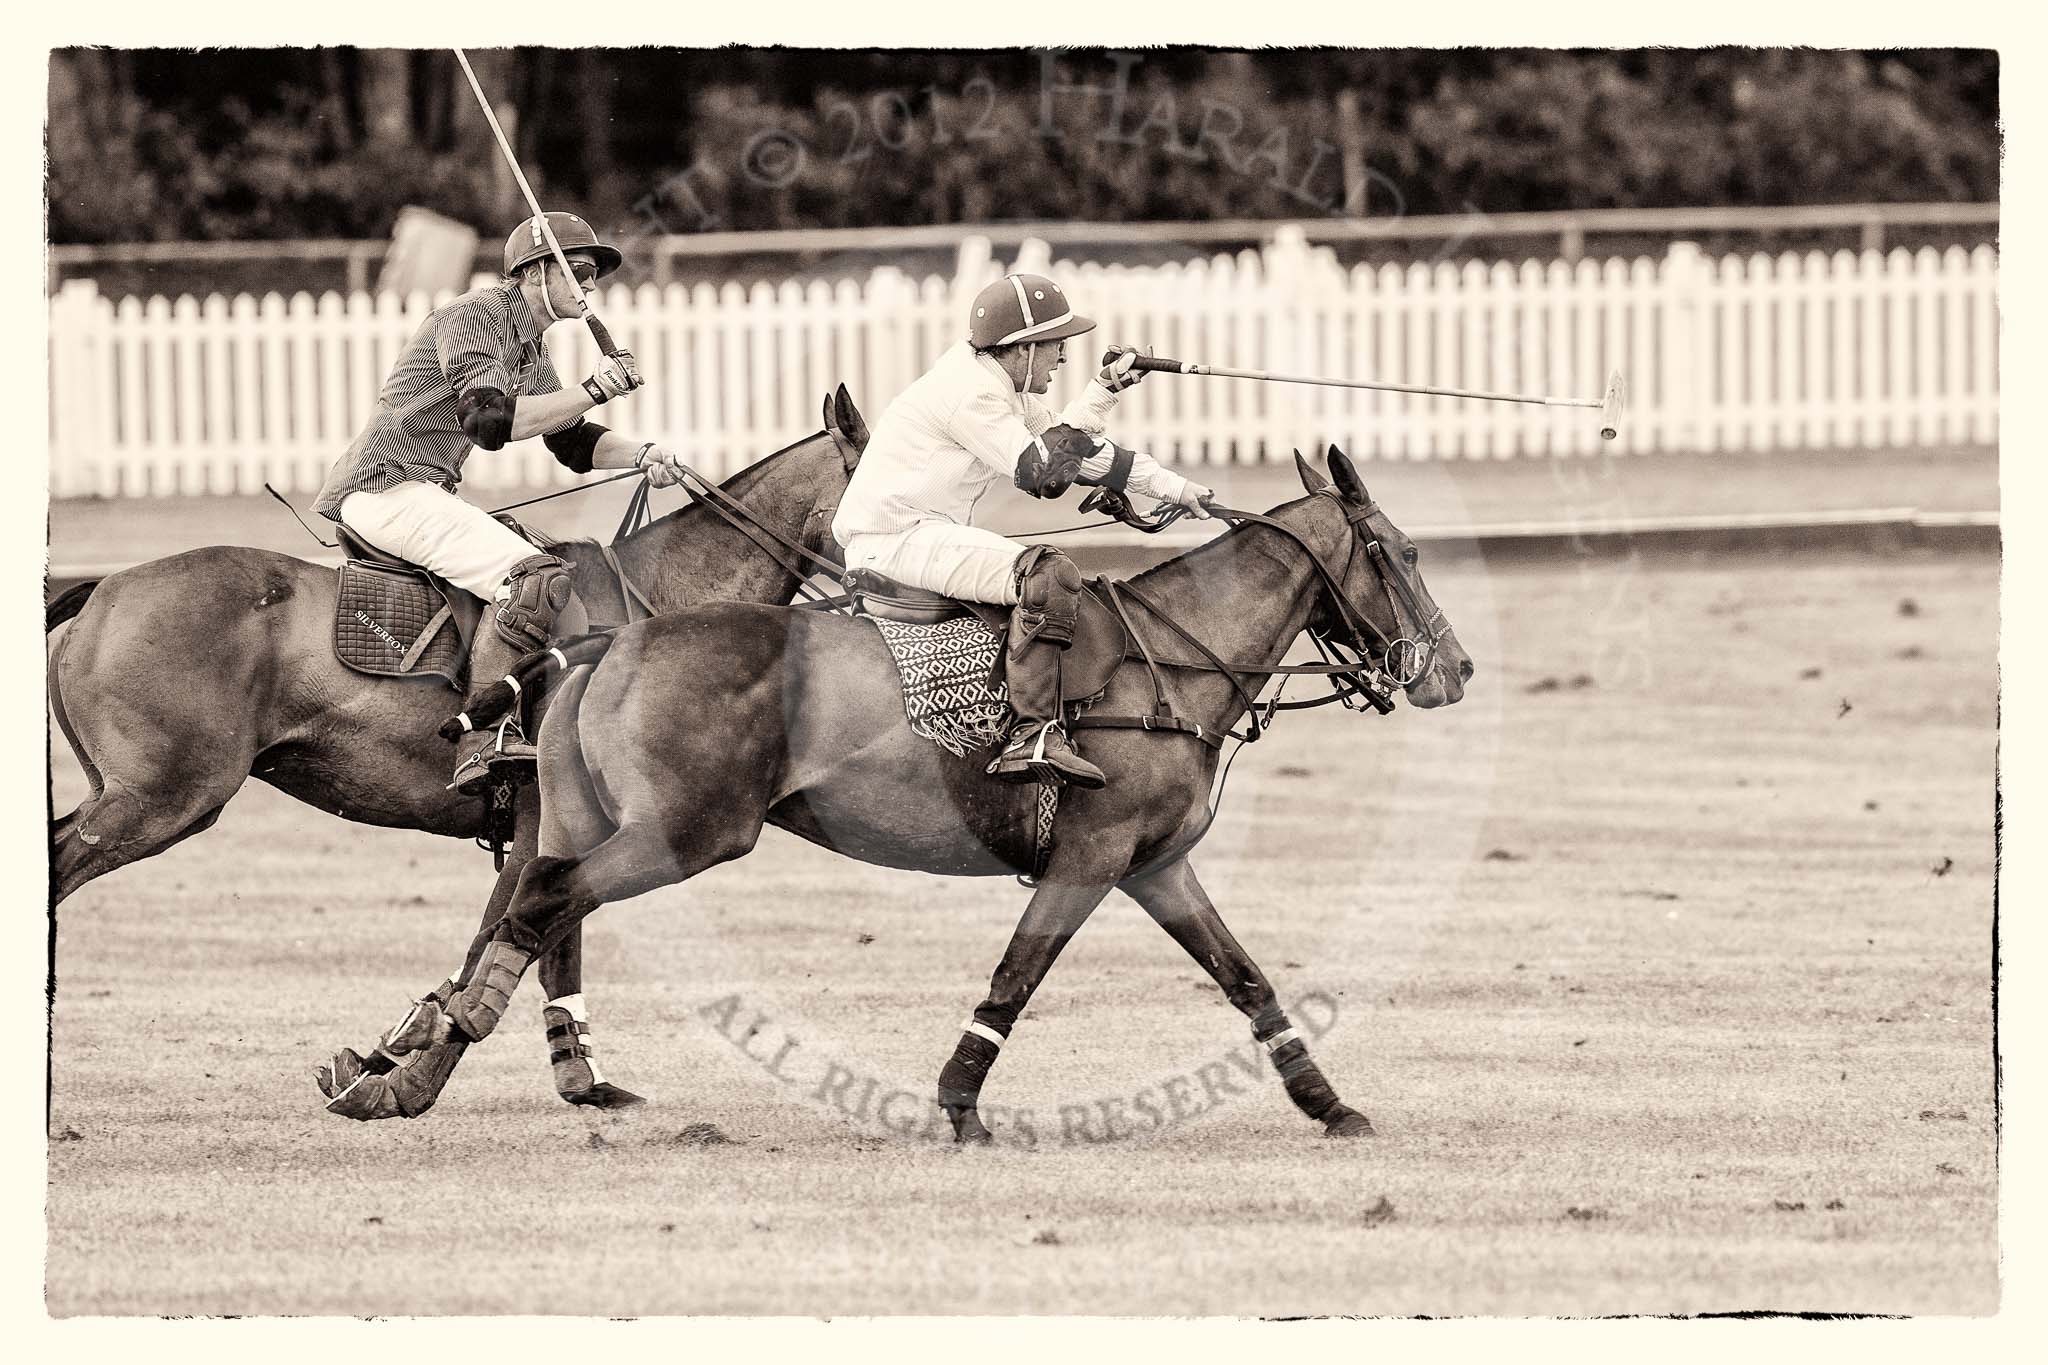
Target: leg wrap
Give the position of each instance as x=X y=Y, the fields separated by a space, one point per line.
x=569 y=1051
x=423 y=1025
x=482 y=1002
x=536 y=591
x=419 y=1082
x=1303 y=1078
x=960 y=1081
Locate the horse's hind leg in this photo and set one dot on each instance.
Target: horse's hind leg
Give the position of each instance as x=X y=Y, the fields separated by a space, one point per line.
x=120 y=826
x=1173 y=898
x=570 y=1052
x=1056 y=913
x=150 y=788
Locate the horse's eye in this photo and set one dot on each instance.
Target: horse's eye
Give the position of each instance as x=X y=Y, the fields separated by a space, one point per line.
x=1409 y=556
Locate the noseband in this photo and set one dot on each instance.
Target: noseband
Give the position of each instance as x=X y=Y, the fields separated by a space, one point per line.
x=1419 y=650
x=1403 y=659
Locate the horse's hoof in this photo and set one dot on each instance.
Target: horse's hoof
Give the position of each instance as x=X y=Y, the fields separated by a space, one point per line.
x=1348 y=1123
x=339 y=1074
x=968 y=1128
x=604 y=1095
x=366 y=1099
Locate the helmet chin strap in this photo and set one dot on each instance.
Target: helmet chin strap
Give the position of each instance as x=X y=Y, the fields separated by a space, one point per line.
x=547 y=295
x=1030 y=361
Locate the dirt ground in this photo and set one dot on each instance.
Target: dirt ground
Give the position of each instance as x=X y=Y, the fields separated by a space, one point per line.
x=1661 y=964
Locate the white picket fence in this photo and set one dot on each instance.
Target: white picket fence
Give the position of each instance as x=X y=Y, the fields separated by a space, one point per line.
x=1757 y=353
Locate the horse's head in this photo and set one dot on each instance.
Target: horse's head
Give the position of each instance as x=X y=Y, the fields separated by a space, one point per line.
x=1383 y=587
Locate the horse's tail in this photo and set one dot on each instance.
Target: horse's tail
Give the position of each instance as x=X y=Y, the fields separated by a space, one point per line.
x=69 y=603
x=525 y=679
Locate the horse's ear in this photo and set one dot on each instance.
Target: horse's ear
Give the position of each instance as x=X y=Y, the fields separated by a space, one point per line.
x=851 y=424
x=1348 y=482
x=1312 y=481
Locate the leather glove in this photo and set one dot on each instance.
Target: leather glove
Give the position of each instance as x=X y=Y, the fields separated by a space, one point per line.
x=1120 y=371
x=662 y=466
x=615 y=376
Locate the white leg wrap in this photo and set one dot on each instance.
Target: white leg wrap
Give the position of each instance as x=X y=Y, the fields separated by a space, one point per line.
x=512 y=683
x=981 y=1030
x=561 y=659
x=463 y=721
x=573 y=1004
x=1281 y=1039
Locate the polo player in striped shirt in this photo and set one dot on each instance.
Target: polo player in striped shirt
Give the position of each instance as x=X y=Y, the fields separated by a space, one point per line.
x=478 y=374
x=973 y=418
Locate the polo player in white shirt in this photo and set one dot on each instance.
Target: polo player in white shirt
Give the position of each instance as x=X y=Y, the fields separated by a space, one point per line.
x=974 y=418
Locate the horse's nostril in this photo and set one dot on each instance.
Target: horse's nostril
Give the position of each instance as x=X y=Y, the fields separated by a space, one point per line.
x=1465 y=671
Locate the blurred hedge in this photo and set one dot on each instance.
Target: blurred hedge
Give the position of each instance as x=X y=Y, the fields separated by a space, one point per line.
x=159 y=144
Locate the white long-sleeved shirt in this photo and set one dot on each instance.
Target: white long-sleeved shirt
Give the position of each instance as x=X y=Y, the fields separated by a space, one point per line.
x=957 y=431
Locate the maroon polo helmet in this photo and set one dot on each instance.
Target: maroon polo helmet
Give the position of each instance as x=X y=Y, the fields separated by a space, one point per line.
x=1022 y=308
x=528 y=244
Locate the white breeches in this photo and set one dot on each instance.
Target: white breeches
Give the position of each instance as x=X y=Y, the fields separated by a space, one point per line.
x=436 y=530
x=941 y=556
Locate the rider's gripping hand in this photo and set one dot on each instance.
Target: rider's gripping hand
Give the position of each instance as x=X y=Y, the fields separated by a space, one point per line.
x=1196 y=498
x=615 y=377
x=1120 y=370
x=662 y=466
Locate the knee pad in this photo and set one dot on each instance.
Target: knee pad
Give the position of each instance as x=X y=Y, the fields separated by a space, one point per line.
x=537 y=589
x=1048 y=595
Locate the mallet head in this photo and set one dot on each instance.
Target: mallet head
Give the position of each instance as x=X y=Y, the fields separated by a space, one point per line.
x=1610 y=407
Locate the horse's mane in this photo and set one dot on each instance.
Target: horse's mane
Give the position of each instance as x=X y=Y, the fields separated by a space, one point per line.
x=737 y=484
x=1203 y=556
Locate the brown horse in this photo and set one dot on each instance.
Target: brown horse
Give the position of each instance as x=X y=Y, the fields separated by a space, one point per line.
x=796 y=719
x=246 y=637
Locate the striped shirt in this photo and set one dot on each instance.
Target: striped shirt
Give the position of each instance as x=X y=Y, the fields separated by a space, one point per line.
x=489 y=339
x=953 y=434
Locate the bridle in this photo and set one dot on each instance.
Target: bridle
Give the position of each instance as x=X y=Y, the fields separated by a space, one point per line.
x=1378 y=663
x=799 y=560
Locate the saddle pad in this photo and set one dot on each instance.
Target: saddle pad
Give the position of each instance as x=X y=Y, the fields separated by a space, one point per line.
x=948 y=693
x=380 y=617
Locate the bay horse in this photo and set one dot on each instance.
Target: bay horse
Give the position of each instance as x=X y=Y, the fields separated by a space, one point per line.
x=694 y=730
x=181 y=678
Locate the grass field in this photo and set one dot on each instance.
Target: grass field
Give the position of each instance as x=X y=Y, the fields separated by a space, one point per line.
x=1662 y=965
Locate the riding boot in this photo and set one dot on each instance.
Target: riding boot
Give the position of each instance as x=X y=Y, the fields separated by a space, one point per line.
x=536 y=597
x=1041 y=628
x=486 y=755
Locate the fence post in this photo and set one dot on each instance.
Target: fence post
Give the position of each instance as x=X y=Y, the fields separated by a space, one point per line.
x=1287 y=305
x=1686 y=321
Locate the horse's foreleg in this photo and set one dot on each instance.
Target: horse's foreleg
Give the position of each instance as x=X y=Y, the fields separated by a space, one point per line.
x=1175 y=899
x=555 y=894
x=1056 y=912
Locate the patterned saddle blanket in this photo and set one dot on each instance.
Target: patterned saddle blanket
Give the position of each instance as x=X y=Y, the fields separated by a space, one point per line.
x=953 y=695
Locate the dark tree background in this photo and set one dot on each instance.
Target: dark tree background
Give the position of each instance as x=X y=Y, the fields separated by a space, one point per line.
x=332 y=142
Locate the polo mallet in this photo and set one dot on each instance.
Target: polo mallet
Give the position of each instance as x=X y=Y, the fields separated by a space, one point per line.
x=597 y=330
x=1610 y=404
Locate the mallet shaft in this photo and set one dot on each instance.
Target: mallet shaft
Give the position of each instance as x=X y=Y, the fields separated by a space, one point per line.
x=597 y=329
x=1225 y=372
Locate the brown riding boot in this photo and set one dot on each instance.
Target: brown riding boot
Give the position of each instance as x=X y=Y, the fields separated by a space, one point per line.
x=484 y=756
x=1041 y=628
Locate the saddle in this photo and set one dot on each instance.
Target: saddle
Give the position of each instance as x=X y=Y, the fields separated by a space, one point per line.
x=1089 y=662
x=397 y=620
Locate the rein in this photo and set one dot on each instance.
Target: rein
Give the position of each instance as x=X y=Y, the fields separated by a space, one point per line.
x=777 y=546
